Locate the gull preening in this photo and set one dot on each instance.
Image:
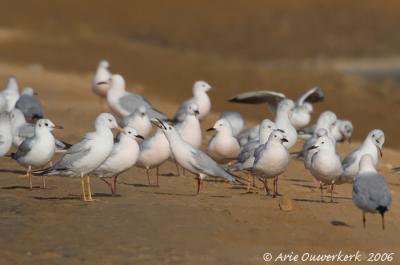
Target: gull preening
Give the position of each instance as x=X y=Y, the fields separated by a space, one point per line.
x=124 y=155
x=37 y=151
x=370 y=191
x=200 y=97
x=192 y=159
x=124 y=103
x=372 y=145
x=88 y=154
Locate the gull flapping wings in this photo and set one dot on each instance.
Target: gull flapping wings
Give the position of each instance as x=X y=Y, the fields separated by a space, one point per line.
x=313 y=95
x=258 y=97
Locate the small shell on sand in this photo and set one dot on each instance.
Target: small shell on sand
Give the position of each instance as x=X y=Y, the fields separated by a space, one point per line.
x=285 y=203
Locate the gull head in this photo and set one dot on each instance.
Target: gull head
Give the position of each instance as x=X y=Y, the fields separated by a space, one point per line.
x=28 y=91
x=104 y=64
x=131 y=133
x=346 y=128
x=201 y=86
x=323 y=143
x=327 y=120
x=12 y=83
x=117 y=82
x=286 y=105
x=267 y=126
x=193 y=109
x=222 y=126
x=278 y=136
x=46 y=125
x=17 y=117
x=307 y=107
x=166 y=128
x=107 y=120
x=378 y=139
x=141 y=111
x=320 y=132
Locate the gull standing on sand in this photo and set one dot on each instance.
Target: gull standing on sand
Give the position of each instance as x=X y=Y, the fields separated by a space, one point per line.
x=101 y=80
x=200 y=97
x=326 y=165
x=29 y=105
x=124 y=155
x=223 y=146
x=235 y=119
x=271 y=160
x=5 y=133
x=302 y=110
x=140 y=121
x=37 y=151
x=154 y=151
x=370 y=191
x=372 y=145
x=246 y=157
x=124 y=103
x=192 y=159
x=11 y=92
x=87 y=155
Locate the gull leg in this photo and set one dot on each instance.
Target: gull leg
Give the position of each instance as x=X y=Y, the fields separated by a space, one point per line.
x=332 y=186
x=249 y=183
x=29 y=174
x=83 y=188
x=108 y=184
x=266 y=187
x=276 y=193
x=157 y=173
x=199 y=183
x=43 y=182
x=177 y=169
x=322 y=191
x=114 y=192
x=364 y=220
x=383 y=221
x=148 y=176
x=90 y=199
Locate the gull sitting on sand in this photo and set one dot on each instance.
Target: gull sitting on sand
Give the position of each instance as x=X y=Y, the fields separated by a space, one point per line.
x=124 y=155
x=37 y=151
x=101 y=81
x=271 y=160
x=140 y=121
x=190 y=158
x=124 y=103
x=5 y=133
x=11 y=93
x=223 y=147
x=29 y=105
x=325 y=164
x=200 y=97
x=372 y=145
x=370 y=191
x=302 y=110
x=82 y=158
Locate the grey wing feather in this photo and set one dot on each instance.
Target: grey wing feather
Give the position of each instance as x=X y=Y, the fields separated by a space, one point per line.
x=349 y=160
x=258 y=152
x=371 y=191
x=205 y=164
x=24 y=148
x=258 y=97
x=74 y=153
x=27 y=130
x=30 y=106
x=181 y=112
x=131 y=101
x=313 y=95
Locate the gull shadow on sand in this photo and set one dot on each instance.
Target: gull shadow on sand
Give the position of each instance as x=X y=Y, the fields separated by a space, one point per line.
x=220 y=196
x=102 y=194
x=19 y=187
x=339 y=223
x=138 y=185
x=14 y=171
x=175 y=194
x=62 y=198
x=296 y=180
x=315 y=201
x=306 y=186
x=170 y=174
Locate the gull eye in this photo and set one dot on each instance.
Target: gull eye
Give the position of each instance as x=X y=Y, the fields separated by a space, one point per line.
x=129 y=132
x=269 y=126
x=46 y=124
x=109 y=120
x=322 y=142
x=373 y=136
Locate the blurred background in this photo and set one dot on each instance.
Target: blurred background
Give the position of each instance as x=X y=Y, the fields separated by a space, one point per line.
x=351 y=49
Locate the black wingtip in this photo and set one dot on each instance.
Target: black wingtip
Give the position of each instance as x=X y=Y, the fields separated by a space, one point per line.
x=382 y=209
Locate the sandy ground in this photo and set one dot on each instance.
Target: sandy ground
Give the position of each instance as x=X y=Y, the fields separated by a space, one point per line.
x=169 y=224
